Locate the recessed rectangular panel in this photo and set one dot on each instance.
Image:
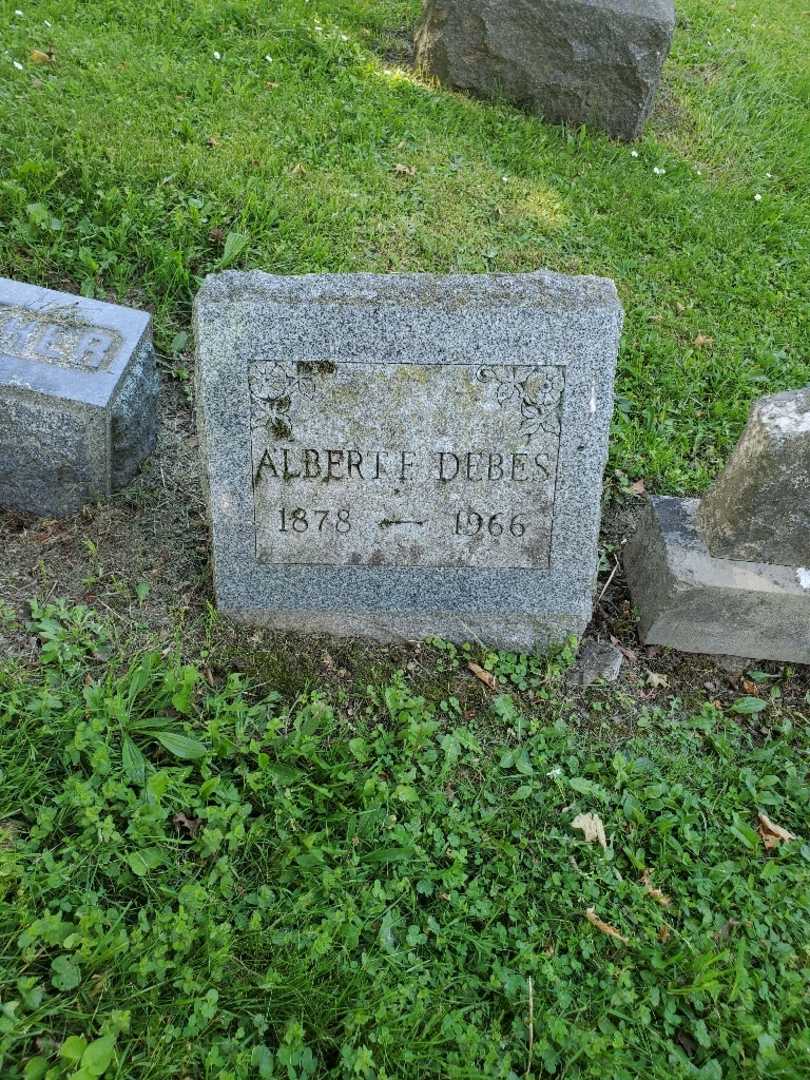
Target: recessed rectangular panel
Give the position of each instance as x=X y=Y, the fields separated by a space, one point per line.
x=404 y=464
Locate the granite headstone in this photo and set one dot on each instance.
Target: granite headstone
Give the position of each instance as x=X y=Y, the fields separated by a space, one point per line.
x=406 y=455
x=78 y=397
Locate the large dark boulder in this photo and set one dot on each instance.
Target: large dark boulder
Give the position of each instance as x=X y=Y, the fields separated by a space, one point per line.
x=595 y=62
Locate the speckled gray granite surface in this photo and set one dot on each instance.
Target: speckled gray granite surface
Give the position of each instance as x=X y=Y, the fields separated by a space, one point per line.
x=406 y=455
x=758 y=510
x=689 y=600
x=78 y=398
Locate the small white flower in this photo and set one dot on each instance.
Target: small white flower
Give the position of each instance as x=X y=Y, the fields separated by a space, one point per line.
x=18 y=65
x=659 y=172
x=48 y=23
x=505 y=179
x=555 y=773
x=769 y=175
x=699 y=172
x=18 y=12
x=757 y=197
x=634 y=153
x=269 y=58
x=344 y=37
x=217 y=55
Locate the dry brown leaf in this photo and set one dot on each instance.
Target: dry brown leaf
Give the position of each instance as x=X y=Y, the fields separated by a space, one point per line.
x=606 y=928
x=772 y=835
x=40 y=57
x=405 y=170
x=724 y=931
x=663 y=932
x=212 y=141
x=650 y=889
x=298 y=169
x=750 y=687
x=10 y=829
x=638 y=487
x=628 y=654
x=592 y=827
x=702 y=340
x=656 y=680
x=191 y=825
x=486 y=677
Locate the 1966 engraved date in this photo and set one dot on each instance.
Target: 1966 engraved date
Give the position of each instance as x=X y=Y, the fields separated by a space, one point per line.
x=471 y=523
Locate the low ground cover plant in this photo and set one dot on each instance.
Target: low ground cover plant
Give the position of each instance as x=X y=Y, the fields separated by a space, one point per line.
x=200 y=878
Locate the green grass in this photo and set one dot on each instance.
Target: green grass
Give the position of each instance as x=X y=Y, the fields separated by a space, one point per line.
x=136 y=162
x=200 y=879
x=289 y=874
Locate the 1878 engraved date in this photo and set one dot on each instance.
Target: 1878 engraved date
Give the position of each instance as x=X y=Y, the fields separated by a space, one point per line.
x=300 y=520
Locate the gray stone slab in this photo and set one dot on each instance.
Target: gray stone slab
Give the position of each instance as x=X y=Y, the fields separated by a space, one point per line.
x=406 y=455
x=691 y=601
x=598 y=661
x=759 y=509
x=595 y=62
x=78 y=398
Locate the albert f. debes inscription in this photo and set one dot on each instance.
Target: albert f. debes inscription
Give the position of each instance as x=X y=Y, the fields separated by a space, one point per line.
x=453 y=465
x=406 y=455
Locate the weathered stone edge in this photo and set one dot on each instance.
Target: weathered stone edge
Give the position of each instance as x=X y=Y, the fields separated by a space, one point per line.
x=537 y=288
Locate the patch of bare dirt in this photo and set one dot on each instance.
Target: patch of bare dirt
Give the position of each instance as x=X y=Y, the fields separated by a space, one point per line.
x=395 y=45
x=141 y=558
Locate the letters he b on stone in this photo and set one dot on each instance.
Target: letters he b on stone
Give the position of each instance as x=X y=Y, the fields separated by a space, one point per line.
x=78 y=395
x=406 y=455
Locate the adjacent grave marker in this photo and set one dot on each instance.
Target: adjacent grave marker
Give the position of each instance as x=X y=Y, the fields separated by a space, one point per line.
x=406 y=455
x=759 y=510
x=595 y=62
x=731 y=575
x=78 y=394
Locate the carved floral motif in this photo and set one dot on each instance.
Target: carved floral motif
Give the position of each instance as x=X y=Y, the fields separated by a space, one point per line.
x=273 y=387
x=536 y=390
